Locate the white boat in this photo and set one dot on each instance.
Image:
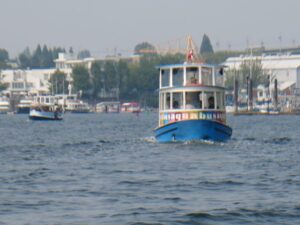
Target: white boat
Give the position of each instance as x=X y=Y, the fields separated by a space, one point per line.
x=133 y=107
x=71 y=104
x=45 y=108
x=4 y=106
x=24 y=106
x=108 y=107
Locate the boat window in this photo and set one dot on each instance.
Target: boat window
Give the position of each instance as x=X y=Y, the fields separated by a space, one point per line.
x=193 y=100
x=165 y=78
x=167 y=101
x=177 y=100
x=220 y=100
x=206 y=74
x=219 y=76
x=192 y=75
x=177 y=77
x=209 y=100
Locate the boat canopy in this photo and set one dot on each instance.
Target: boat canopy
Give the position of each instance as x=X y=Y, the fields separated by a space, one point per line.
x=192 y=99
x=190 y=74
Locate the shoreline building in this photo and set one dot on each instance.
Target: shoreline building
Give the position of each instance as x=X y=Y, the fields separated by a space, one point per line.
x=284 y=68
x=36 y=81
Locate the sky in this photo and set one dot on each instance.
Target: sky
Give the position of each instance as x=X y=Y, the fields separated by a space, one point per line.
x=102 y=26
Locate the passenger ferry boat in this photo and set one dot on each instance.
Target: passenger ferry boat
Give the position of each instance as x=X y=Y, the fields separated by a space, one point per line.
x=191 y=103
x=45 y=108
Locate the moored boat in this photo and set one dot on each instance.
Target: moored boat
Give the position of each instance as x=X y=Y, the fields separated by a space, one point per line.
x=70 y=103
x=24 y=106
x=108 y=107
x=133 y=107
x=191 y=103
x=4 y=106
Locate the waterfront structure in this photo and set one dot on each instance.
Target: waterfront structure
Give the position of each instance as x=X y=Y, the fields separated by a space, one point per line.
x=284 y=68
x=108 y=107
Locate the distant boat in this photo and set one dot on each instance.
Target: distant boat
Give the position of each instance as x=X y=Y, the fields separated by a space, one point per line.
x=24 y=106
x=191 y=103
x=4 y=106
x=133 y=107
x=45 y=108
x=108 y=107
x=71 y=104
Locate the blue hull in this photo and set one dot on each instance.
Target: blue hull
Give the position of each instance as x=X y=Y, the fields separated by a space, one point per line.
x=43 y=118
x=189 y=130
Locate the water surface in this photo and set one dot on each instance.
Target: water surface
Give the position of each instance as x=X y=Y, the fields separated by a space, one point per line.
x=106 y=169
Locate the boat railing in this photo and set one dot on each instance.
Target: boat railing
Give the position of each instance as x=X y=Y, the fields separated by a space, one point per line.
x=170 y=116
x=190 y=75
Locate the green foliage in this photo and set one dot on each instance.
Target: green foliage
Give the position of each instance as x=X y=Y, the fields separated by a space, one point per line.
x=81 y=79
x=97 y=71
x=220 y=56
x=71 y=52
x=58 y=83
x=247 y=68
x=110 y=75
x=143 y=47
x=3 y=55
x=3 y=86
x=84 y=54
x=206 y=47
x=41 y=58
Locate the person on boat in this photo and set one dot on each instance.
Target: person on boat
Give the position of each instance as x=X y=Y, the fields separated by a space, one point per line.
x=190 y=103
x=175 y=104
x=168 y=102
x=211 y=102
x=200 y=100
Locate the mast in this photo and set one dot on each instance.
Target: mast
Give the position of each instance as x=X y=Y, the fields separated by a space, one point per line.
x=192 y=52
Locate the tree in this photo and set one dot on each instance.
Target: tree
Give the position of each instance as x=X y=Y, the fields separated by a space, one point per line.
x=3 y=86
x=84 y=54
x=143 y=48
x=58 y=82
x=37 y=57
x=110 y=75
x=71 y=51
x=97 y=71
x=123 y=75
x=206 y=46
x=257 y=74
x=3 y=55
x=46 y=58
x=25 y=59
x=81 y=79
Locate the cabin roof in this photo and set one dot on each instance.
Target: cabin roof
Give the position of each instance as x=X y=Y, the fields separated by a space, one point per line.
x=184 y=65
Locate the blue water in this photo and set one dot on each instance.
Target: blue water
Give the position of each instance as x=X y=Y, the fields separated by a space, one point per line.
x=106 y=169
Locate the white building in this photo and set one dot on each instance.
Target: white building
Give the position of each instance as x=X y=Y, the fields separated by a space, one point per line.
x=285 y=68
x=27 y=81
x=66 y=63
x=36 y=81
